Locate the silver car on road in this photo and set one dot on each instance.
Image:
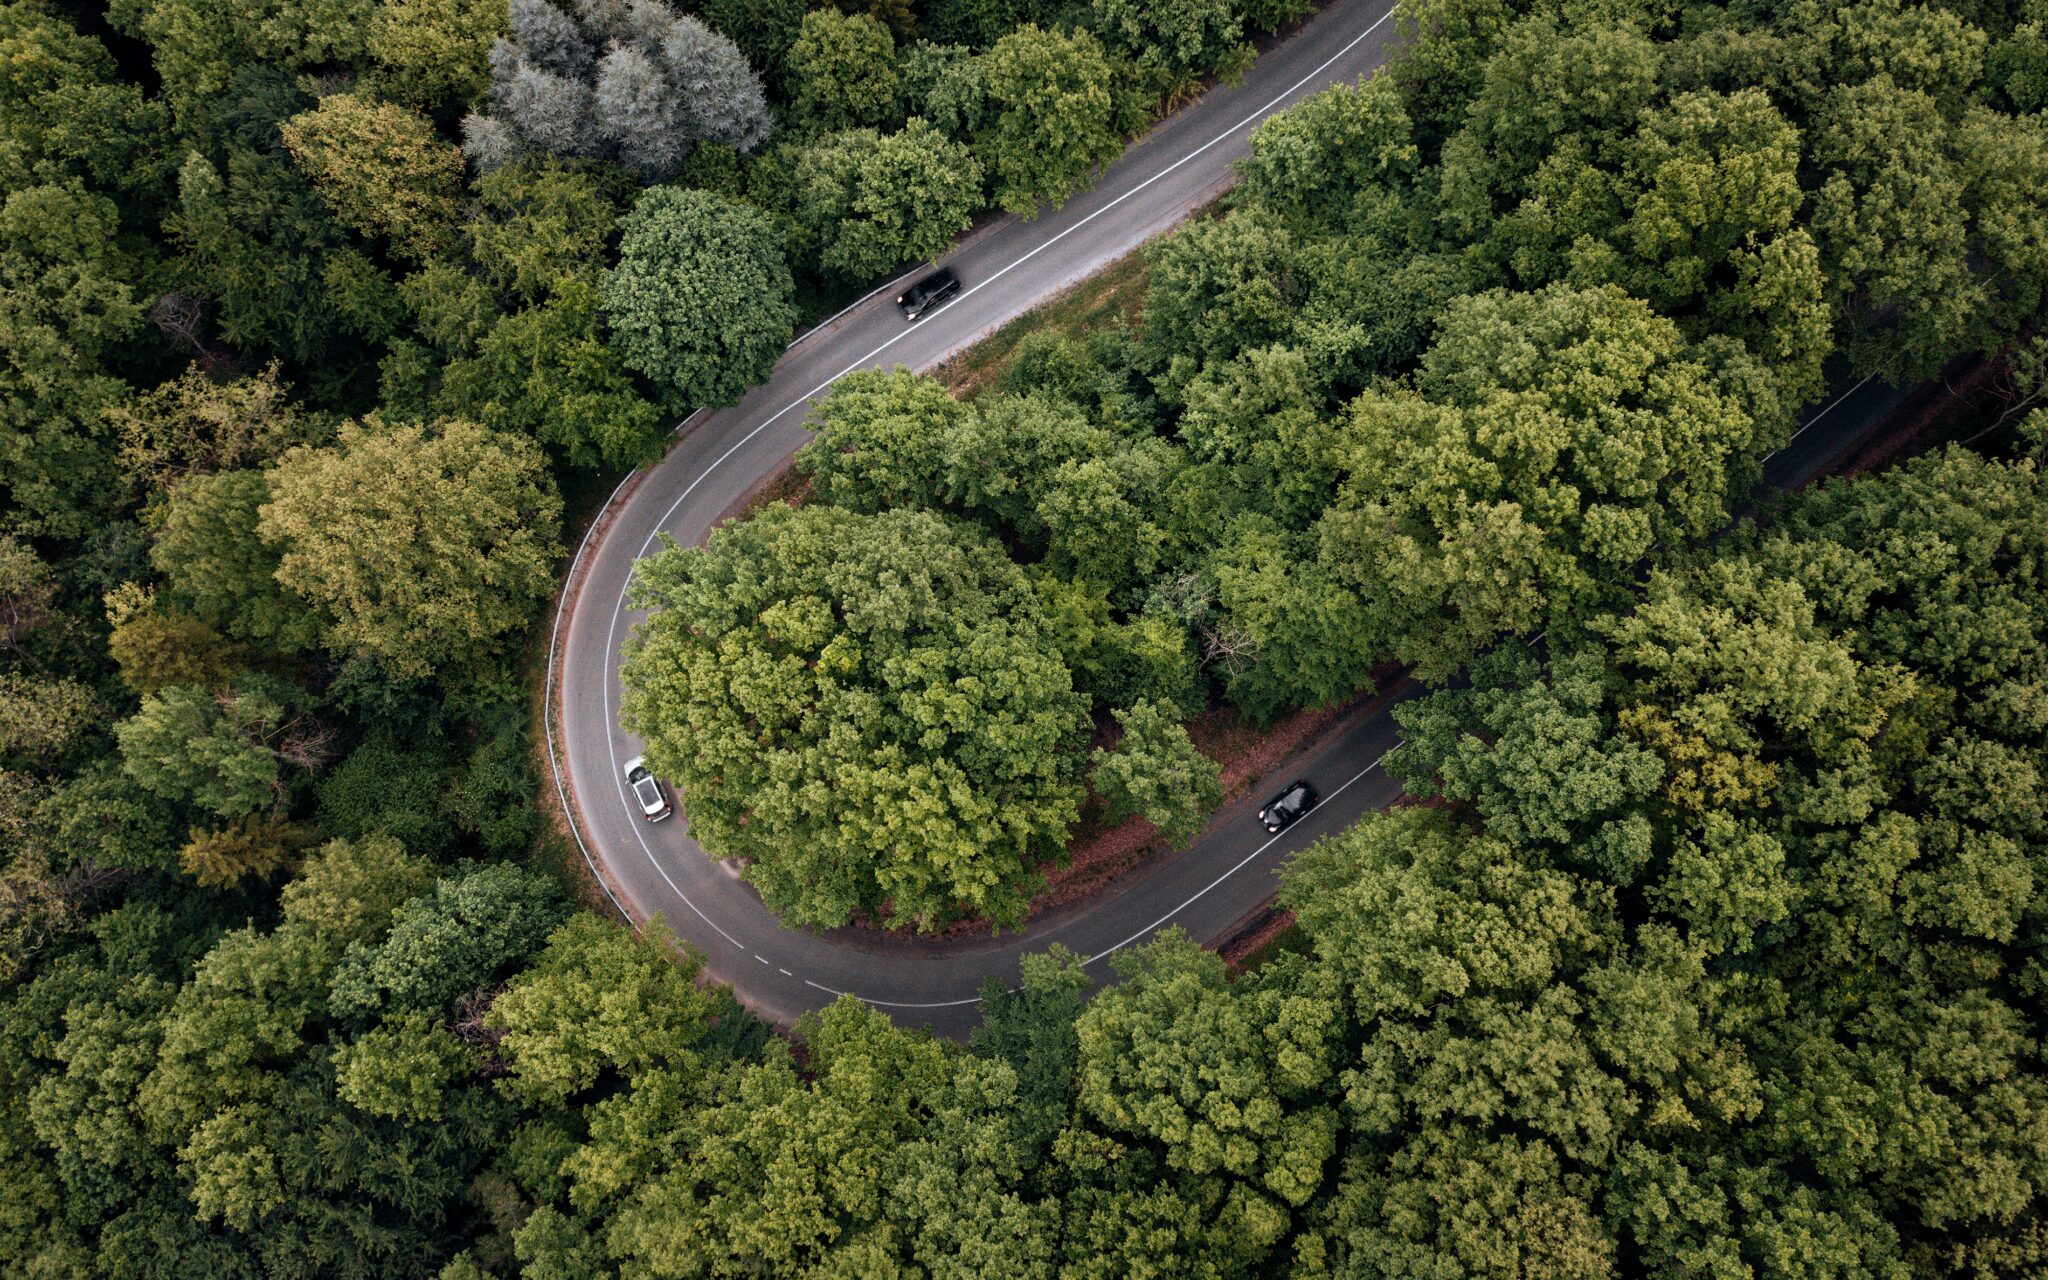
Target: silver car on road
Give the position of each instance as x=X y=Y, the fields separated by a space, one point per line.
x=647 y=790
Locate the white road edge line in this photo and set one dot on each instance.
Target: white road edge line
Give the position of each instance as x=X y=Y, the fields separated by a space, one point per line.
x=547 y=713
x=554 y=641
x=1241 y=865
x=1826 y=409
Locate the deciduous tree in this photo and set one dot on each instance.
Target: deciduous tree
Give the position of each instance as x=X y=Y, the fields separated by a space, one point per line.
x=424 y=547
x=347 y=891
x=874 y=202
x=1171 y=43
x=199 y=45
x=1314 y=161
x=400 y=1068
x=254 y=239
x=1224 y=1081
x=195 y=425
x=547 y=373
x=1532 y=751
x=71 y=115
x=466 y=934
x=1049 y=95
x=382 y=169
x=28 y=587
x=634 y=82
x=1515 y=494
x=945 y=85
x=599 y=1002
x=1155 y=771
x=700 y=300
x=537 y=224
x=842 y=72
x=67 y=302
x=156 y=647
x=258 y=846
x=430 y=53
x=1285 y=631
x=188 y=746
x=43 y=716
x=218 y=564
x=883 y=441
x=1220 y=286
x=864 y=707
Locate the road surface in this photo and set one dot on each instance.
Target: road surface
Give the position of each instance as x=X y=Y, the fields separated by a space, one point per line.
x=655 y=869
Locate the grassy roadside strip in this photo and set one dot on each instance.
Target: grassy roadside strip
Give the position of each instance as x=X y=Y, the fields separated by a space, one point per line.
x=1114 y=294
x=1270 y=934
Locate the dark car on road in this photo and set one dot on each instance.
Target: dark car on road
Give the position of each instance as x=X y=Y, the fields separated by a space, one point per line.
x=928 y=293
x=1283 y=810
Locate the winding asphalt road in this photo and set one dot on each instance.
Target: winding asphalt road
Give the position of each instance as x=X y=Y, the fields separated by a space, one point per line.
x=656 y=869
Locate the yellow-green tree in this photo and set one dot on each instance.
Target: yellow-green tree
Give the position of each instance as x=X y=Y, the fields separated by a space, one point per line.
x=382 y=169
x=425 y=547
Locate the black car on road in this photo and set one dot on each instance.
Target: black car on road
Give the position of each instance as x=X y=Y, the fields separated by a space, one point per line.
x=928 y=293
x=1283 y=810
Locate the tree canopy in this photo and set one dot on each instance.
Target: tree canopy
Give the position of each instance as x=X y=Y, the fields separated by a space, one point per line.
x=1155 y=771
x=700 y=300
x=1706 y=941
x=1552 y=440
x=421 y=547
x=905 y=745
x=637 y=83
x=875 y=201
x=1050 y=101
x=381 y=169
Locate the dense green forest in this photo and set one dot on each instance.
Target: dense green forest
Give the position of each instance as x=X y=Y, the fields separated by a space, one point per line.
x=1471 y=341
x=1710 y=945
